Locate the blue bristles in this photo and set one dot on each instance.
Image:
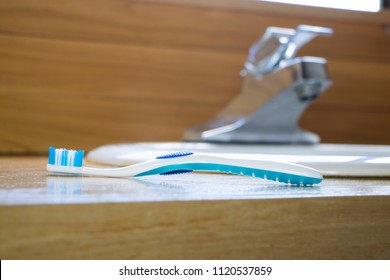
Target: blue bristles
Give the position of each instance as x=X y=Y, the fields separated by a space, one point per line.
x=173 y=155
x=176 y=172
x=64 y=157
x=52 y=155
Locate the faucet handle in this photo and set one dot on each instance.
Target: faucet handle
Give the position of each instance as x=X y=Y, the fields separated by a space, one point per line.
x=265 y=53
x=303 y=35
x=278 y=45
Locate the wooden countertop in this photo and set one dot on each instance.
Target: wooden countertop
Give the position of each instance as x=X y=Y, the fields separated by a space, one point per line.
x=189 y=216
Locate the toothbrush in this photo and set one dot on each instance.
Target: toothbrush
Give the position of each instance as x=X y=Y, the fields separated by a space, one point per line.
x=70 y=162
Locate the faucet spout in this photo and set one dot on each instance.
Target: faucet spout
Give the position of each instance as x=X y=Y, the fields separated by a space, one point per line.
x=275 y=91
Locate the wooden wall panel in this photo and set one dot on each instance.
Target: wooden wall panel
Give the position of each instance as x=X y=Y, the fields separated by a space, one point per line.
x=148 y=24
x=123 y=71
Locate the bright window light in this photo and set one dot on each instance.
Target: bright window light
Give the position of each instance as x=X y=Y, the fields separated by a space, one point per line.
x=355 y=5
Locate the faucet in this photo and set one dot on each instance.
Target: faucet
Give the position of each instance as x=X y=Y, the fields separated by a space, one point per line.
x=276 y=89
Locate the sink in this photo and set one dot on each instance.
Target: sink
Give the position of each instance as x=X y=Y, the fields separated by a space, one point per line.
x=337 y=160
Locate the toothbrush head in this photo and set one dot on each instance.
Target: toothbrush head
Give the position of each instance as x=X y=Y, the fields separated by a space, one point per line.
x=64 y=157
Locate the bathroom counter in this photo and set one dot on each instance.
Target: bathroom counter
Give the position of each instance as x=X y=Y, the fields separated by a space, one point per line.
x=189 y=216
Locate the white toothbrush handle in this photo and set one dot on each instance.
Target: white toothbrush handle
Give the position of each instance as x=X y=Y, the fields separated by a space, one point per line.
x=200 y=162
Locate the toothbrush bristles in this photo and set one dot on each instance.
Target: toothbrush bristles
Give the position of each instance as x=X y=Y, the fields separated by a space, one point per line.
x=64 y=157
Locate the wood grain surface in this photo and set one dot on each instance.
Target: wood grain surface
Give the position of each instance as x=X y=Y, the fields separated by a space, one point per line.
x=226 y=218
x=83 y=74
x=326 y=228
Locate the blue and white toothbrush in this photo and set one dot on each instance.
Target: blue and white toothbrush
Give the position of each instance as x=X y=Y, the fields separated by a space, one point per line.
x=71 y=161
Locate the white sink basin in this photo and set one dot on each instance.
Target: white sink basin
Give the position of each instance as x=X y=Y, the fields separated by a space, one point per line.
x=330 y=159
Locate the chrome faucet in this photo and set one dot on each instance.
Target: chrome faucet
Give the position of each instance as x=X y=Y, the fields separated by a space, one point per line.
x=276 y=89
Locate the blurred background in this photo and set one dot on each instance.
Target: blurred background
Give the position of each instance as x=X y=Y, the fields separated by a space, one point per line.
x=80 y=74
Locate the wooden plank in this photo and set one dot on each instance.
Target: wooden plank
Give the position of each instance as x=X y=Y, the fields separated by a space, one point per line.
x=56 y=92
x=72 y=76
x=133 y=92
x=154 y=24
x=85 y=218
x=327 y=228
x=76 y=68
